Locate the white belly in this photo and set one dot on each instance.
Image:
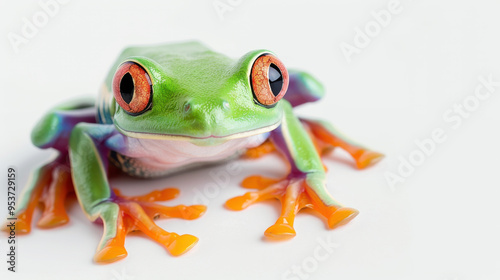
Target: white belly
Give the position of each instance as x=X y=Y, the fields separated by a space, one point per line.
x=152 y=157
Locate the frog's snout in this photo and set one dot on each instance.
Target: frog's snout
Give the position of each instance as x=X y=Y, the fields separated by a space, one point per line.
x=206 y=115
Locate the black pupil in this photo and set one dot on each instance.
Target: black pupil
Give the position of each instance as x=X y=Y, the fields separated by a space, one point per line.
x=275 y=79
x=127 y=87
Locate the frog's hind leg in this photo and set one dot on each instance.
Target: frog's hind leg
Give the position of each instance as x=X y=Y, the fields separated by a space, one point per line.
x=54 y=196
x=327 y=137
x=304 y=88
x=50 y=184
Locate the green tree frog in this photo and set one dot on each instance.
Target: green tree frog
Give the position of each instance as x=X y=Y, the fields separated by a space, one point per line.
x=169 y=107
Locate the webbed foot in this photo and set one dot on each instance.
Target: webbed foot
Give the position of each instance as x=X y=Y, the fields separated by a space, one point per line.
x=295 y=193
x=123 y=214
x=326 y=137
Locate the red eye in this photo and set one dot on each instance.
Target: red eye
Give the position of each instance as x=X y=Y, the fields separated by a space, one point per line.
x=132 y=88
x=269 y=79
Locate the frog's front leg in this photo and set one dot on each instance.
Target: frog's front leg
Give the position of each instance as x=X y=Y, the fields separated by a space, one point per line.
x=89 y=147
x=303 y=187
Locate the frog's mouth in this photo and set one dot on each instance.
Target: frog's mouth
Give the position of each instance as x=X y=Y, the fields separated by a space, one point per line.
x=201 y=141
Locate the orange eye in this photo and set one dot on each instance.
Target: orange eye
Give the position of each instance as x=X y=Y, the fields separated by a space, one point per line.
x=132 y=88
x=269 y=79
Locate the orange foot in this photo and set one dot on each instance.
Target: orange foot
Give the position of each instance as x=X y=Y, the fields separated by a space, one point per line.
x=49 y=187
x=126 y=214
x=295 y=193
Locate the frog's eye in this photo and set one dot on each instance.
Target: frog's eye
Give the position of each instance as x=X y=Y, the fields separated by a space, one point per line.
x=269 y=79
x=132 y=88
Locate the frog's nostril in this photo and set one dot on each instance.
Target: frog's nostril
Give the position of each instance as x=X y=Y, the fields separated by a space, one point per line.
x=226 y=105
x=187 y=107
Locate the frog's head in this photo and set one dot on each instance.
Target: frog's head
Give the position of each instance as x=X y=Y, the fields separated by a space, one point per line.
x=187 y=92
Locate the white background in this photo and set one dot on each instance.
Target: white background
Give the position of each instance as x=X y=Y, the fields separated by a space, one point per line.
x=442 y=222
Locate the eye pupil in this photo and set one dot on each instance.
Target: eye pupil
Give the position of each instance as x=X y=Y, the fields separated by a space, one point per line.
x=127 y=88
x=275 y=79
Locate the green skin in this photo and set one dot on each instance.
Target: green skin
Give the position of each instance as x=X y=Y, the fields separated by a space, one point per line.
x=221 y=107
x=176 y=71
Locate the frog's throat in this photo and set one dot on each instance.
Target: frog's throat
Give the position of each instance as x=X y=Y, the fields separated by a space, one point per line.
x=174 y=137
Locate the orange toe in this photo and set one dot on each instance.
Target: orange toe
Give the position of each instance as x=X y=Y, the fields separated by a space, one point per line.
x=23 y=224
x=258 y=182
x=110 y=254
x=241 y=202
x=194 y=211
x=341 y=217
x=52 y=220
x=280 y=232
x=182 y=244
x=367 y=158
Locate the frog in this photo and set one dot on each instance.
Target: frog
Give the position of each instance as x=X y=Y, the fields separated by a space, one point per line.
x=169 y=108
